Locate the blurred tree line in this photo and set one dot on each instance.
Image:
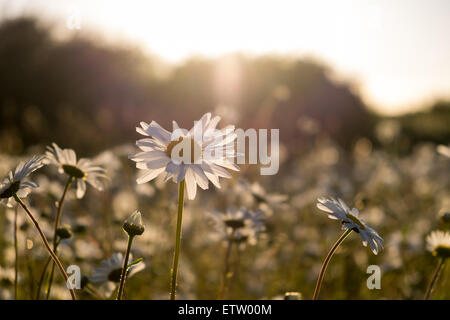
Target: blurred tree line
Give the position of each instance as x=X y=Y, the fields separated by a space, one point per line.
x=84 y=94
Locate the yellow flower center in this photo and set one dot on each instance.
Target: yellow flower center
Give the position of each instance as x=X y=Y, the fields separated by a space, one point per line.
x=196 y=153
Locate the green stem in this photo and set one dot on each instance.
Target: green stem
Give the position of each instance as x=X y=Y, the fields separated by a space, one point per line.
x=174 y=271
x=52 y=273
x=41 y=279
x=436 y=274
x=16 y=252
x=124 y=269
x=47 y=245
x=91 y=290
x=55 y=228
x=226 y=273
x=327 y=260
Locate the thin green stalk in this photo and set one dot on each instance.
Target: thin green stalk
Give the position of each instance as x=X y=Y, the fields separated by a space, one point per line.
x=29 y=265
x=42 y=278
x=226 y=273
x=47 y=245
x=89 y=289
x=327 y=260
x=174 y=271
x=236 y=270
x=436 y=274
x=124 y=269
x=50 y=279
x=55 y=228
x=16 y=253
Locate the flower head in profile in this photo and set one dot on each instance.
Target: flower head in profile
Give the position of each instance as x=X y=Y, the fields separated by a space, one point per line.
x=198 y=156
x=82 y=170
x=15 y=183
x=239 y=225
x=110 y=270
x=438 y=243
x=338 y=210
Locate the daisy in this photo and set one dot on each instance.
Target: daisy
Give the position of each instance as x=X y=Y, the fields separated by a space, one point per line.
x=82 y=170
x=14 y=186
x=133 y=226
x=212 y=152
x=438 y=243
x=189 y=158
x=239 y=225
x=110 y=270
x=14 y=183
x=338 y=210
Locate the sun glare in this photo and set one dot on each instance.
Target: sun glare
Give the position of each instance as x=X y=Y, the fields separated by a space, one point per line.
x=361 y=40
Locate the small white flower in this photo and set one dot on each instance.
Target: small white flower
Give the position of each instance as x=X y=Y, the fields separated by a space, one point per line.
x=111 y=270
x=444 y=150
x=82 y=170
x=13 y=183
x=156 y=157
x=338 y=210
x=240 y=225
x=438 y=243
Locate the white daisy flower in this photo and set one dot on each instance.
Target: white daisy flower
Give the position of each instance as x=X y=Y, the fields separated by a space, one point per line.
x=438 y=243
x=240 y=225
x=444 y=150
x=338 y=210
x=14 y=183
x=82 y=170
x=110 y=270
x=204 y=165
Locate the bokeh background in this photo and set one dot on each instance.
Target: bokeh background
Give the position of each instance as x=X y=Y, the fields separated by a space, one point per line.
x=361 y=104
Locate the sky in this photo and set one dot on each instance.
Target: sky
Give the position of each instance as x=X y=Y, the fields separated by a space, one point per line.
x=397 y=51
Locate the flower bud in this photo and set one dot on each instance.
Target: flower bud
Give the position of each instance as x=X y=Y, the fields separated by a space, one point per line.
x=64 y=232
x=292 y=296
x=133 y=225
x=445 y=217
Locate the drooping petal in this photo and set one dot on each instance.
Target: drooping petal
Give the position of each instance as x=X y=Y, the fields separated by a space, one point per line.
x=81 y=188
x=200 y=176
x=191 y=185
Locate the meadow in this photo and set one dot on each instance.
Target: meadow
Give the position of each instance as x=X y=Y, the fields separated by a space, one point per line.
x=255 y=237
x=401 y=197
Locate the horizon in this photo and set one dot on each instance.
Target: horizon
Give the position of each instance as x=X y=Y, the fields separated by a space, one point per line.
x=352 y=42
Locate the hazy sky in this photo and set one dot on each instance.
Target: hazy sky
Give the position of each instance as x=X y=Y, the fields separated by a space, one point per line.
x=397 y=50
